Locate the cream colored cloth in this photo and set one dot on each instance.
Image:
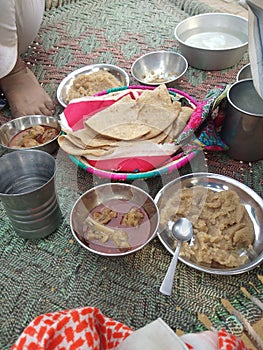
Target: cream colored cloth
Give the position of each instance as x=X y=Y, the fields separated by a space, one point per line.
x=154 y=336
x=157 y=335
x=20 y=21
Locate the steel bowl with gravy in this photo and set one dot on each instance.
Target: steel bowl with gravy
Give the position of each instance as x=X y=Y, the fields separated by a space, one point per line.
x=31 y=132
x=114 y=219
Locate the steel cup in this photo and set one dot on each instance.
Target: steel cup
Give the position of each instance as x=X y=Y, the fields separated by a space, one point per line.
x=242 y=130
x=27 y=191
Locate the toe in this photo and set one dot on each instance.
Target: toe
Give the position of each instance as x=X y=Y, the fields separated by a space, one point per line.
x=46 y=111
x=50 y=105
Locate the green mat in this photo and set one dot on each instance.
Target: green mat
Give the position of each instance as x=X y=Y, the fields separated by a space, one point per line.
x=56 y=273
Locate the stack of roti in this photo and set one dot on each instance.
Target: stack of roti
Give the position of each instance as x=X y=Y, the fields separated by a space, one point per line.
x=130 y=127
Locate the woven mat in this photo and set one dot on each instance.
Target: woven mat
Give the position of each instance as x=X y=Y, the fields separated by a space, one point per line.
x=56 y=273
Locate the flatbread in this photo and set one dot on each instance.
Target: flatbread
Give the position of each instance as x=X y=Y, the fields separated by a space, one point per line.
x=126 y=131
x=90 y=138
x=182 y=120
x=152 y=119
x=70 y=148
x=159 y=96
x=113 y=115
x=132 y=119
x=157 y=117
x=74 y=140
x=156 y=135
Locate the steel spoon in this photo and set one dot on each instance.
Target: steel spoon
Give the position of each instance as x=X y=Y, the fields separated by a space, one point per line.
x=182 y=230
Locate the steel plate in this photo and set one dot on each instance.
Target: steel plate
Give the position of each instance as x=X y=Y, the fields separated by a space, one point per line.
x=65 y=84
x=253 y=204
x=115 y=196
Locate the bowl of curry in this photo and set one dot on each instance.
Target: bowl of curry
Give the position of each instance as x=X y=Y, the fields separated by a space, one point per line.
x=114 y=219
x=31 y=132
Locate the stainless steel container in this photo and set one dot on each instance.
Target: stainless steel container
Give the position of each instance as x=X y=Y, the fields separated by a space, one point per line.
x=13 y=127
x=159 y=67
x=63 y=88
x=243 y=126
x=27 y=191
x=245 y=72
x=213 y=41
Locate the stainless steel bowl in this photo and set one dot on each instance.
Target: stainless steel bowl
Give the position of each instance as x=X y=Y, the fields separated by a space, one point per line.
x=65 y=84
x=160 y=67
x=213 y=41
x=252 y=202
x=13 y=127
x=244 y=73
x=119 y=197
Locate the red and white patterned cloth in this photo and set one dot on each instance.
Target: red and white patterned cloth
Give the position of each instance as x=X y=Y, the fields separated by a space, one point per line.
x=87 y=328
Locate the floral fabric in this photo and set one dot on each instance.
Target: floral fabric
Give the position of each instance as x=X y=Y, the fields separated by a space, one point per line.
x=206 y=121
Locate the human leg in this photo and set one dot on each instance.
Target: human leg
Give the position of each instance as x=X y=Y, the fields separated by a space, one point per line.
x=19 y=24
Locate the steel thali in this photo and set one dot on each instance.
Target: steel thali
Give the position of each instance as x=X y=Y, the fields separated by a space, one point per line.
x=252 y=202
x=65 y=84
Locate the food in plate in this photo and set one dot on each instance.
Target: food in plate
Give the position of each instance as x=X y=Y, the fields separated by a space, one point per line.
x=159 y=77
x=119 y=224
x=34 y=136
x=105 y=215
x=133 y=218
x=129 y=126
x=222 y=227
x=92 y=83
x=98 y=232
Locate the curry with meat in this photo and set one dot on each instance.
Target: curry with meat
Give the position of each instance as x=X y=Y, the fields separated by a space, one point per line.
x=34 y=136
x=117 y=225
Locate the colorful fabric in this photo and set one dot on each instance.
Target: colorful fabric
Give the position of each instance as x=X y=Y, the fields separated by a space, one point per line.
x=87 y=328
x=228 y=341
x=206 y=121
x=77 y=329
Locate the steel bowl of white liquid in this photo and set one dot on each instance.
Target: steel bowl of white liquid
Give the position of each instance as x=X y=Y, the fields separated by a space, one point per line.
x=213 y=41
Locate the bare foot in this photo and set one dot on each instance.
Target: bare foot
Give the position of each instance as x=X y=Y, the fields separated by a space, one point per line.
x=23 y=92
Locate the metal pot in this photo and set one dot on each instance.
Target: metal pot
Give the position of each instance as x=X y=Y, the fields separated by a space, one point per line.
x=243 y=126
